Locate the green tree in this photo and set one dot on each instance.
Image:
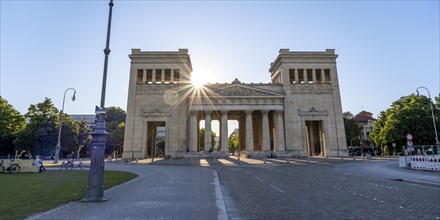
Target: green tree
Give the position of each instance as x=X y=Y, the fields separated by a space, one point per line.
x=233 y=141
x=202 y=139
x=117 y=137
x=11 y=123
x=351 y=129
x=409 y=114
x=40 y=134
x=69 y=136
x=84 y=135
x=115 y=123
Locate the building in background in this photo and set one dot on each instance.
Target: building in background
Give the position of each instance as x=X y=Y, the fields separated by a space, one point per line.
x=364 y=121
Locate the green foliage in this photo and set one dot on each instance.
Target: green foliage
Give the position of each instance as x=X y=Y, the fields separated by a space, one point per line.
x=351 y=129
x=233 y=141
x=24 y=194
x=115 y=123
x=11 y=123
x=409 y=114
x=84 y=135
x=117 y=137
x=202 y=139
x=40 y=134
x=69 y=135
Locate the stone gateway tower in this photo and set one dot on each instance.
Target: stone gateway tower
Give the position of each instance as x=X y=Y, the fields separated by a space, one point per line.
x=298 y=114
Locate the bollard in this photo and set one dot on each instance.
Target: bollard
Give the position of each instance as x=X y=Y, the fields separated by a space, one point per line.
x=308 y=159
x=287 y=160
x=264 y=159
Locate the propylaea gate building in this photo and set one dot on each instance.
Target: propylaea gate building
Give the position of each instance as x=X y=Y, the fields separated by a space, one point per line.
x=298 y=113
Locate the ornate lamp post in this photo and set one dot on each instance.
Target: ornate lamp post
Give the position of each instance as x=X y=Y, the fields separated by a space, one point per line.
x=432 y=113
x=58 y=147
x=95 y=187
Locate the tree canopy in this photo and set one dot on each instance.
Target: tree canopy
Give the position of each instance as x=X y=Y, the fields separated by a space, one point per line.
x=202 y=138
x=351 y=129
x=11 y=123
x=115 y=123
x=409 y=114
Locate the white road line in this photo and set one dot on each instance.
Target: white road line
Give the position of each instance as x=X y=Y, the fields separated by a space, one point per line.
x=221 y=208
x=279 y=190
x=258 y=178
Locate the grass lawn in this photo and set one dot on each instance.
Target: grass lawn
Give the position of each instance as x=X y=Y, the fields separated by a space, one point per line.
x=24 y=194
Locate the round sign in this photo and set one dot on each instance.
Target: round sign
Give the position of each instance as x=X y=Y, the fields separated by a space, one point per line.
x=409 y=136
x=409 y=143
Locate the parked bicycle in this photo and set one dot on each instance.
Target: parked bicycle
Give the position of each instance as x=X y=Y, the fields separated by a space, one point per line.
x=70 y=165
x=12 y=168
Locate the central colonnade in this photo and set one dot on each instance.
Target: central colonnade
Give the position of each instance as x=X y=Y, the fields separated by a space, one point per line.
x=259 y=129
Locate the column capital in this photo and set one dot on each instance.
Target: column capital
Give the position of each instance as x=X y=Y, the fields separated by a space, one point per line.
x=224 y=112
x=264 y=112
x=248 y=112
x=207 y=111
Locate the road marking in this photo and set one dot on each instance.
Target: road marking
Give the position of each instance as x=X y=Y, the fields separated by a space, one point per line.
x=279 y=190
x=221 y=208
x=258 y=178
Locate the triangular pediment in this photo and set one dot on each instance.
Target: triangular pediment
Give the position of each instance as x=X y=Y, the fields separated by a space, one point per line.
x=243 y=90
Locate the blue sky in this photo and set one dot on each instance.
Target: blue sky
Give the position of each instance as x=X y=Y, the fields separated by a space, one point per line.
x=386 y=48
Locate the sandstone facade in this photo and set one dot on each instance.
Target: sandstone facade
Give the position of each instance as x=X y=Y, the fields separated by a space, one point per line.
x=299 y=113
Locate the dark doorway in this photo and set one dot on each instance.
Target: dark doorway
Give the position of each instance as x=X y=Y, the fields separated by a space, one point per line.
x=156 y=138
x=314 y=138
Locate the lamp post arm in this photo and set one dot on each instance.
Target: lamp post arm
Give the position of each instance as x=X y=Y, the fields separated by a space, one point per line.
x=432 y=113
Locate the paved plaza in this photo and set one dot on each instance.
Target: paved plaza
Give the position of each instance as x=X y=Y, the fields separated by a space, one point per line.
x=228 y=188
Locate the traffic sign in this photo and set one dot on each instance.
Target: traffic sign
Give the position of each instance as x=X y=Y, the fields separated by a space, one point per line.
x=409 y=143
x=409 y=136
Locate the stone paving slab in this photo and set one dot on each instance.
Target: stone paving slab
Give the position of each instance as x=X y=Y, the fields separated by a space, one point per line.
x=157 y=193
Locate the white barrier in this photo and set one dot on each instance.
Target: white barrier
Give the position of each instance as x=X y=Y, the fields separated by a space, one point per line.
x=429 y=162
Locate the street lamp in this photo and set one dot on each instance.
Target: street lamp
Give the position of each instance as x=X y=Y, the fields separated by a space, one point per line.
x=432 y=112
x=95 y=187
x=58 y=147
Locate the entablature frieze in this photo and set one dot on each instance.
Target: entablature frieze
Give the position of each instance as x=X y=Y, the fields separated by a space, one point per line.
x=160 y=88
x=312 y=112
x=237 y=108
x=155 y=115
x=312 y=88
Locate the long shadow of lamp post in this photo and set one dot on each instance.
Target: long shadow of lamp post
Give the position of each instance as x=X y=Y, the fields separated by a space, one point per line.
x=437 y=142
x=58 y=147
x=95 y=187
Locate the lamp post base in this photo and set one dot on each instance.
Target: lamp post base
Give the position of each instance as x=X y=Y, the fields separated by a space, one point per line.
x=95 y=187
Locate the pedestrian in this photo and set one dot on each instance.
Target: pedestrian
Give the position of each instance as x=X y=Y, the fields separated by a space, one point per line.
x=39 y=163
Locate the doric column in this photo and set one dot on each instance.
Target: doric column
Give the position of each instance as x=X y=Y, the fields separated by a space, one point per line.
x=314 y=75
x=280 y=131
x=208 y=139
x=249 y=132
x=172 y=76
x=305 y=76
x=144 y=76
x=154 y=76
x=295 y=72
x=224 y=132
x=192 y=131
x=266 y=134
x=162 y=78
x=322 y=76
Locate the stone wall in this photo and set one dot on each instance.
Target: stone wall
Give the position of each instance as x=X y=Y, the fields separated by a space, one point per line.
x=26 y=166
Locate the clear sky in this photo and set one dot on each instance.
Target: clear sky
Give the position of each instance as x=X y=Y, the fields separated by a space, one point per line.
x=386 y=48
